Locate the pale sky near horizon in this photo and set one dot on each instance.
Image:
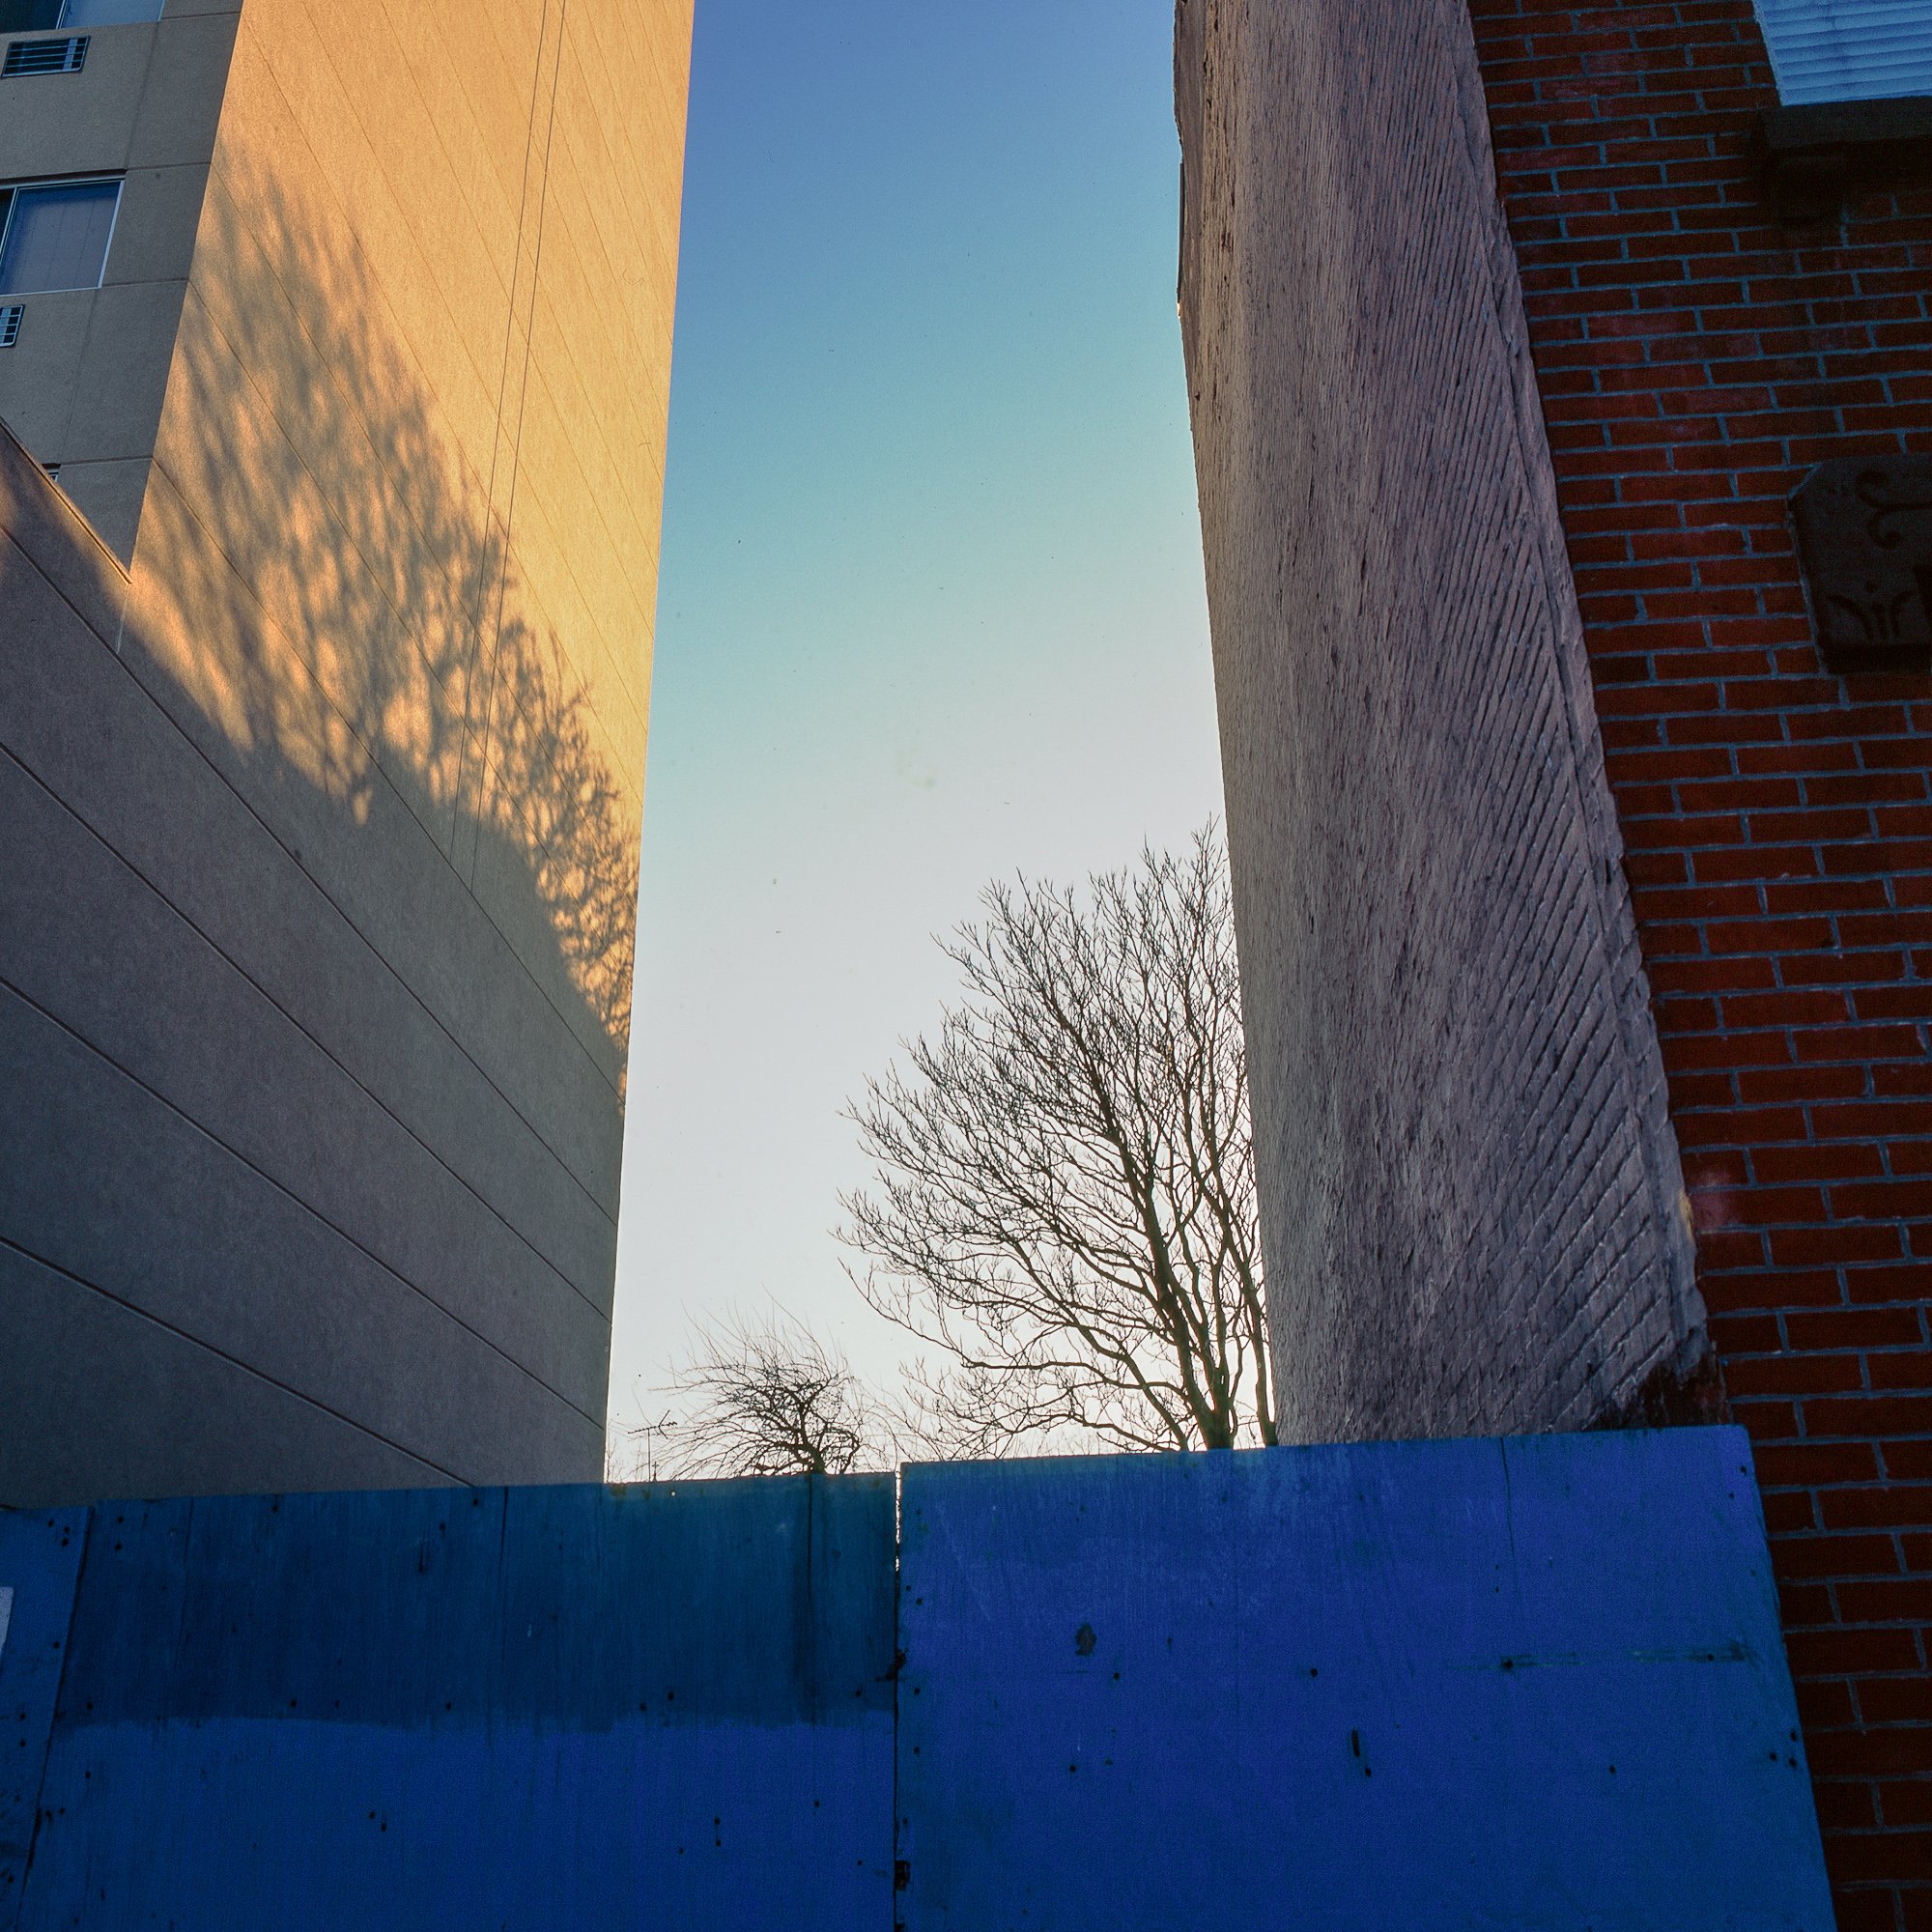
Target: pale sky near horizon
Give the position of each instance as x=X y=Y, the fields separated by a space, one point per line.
x=931 y=605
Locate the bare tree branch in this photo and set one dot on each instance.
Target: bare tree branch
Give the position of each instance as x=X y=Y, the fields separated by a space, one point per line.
x=762 y=1398
x=1064 y=1210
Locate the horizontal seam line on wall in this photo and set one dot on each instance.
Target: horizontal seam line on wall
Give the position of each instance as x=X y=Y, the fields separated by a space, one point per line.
x=248 y=978
x=221 y=777
x=378 y=767
x=135 y=1309
x=280 y=1187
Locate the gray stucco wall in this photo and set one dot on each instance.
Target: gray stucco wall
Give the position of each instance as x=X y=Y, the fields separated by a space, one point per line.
x=271 y=1216
x=1472 y=1212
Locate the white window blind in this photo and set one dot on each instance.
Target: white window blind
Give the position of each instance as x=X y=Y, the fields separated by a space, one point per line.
x=56 y=237
x=108 y=13
x=1848 y=49
x=34 y=17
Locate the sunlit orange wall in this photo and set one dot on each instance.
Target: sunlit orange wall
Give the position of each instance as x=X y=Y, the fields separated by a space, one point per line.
x=406 y=504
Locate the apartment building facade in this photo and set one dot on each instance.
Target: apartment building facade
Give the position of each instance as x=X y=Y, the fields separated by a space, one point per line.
x=334 y=360
x=1561 y=379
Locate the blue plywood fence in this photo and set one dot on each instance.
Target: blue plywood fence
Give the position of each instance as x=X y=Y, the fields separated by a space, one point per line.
x=1529 y=1684
x=1526 y=1684
x=557 y=1707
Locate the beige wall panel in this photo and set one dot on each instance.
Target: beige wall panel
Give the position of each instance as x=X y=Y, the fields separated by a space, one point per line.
x=88 y=389
x=541 y=900
x=180 y=103
x=124 y=372
x=79 y=123
x=292 y=229
x=500 y=80
x=353 y=832
x=564 y=490
x=603 y=677
x=42 y=371
x=577 y=348
x=181 y=1409
x=435 y=262
x=327 y=119
x=109 y=496
x=290 y=143
x=154 y=231
x=273 y=564
x=85 y=727
x=464 y=143
x=49 y=546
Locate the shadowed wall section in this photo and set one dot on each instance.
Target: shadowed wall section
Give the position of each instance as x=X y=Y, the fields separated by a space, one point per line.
x=315 y=955
x=1470 y=1198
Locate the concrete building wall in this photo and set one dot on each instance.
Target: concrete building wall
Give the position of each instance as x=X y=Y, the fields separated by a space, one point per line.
x=1471 y=1205
x=380 y=666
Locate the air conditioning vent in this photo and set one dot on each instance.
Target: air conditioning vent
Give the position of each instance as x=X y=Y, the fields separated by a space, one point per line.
x=9 y=323
x=25 y=57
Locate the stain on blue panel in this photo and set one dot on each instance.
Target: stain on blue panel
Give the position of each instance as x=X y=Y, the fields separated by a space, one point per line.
x=39 y=1558
x=648 y=1708
x=804 y=1635
x=1536 y=1684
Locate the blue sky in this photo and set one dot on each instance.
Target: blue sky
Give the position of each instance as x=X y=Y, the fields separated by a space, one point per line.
x=931 y=602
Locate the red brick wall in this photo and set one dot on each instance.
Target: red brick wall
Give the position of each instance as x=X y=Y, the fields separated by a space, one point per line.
x=1695 y=358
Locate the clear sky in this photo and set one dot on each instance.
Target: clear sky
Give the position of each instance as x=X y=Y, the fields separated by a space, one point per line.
x=931 y=602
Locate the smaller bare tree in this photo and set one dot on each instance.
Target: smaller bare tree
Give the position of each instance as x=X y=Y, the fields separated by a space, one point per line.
x=762 y=1398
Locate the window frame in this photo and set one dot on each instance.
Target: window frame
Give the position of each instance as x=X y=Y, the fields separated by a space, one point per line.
x=13 y=190
x=1862 y=34
x=62 y=23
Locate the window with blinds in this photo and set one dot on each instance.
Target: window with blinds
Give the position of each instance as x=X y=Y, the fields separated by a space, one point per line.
x=33 y=16
x=54 y=235
x=1848 y=49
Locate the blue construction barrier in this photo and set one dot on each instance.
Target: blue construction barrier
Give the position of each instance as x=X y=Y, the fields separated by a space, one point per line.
x=1525 y=1685
x=1530 y=1684
x=574 y=1708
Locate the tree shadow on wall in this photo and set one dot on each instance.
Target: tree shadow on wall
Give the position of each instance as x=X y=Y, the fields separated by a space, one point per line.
x=336 y=588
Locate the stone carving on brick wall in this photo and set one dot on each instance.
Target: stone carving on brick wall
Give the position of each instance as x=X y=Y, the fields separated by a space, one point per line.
x=1864 y=539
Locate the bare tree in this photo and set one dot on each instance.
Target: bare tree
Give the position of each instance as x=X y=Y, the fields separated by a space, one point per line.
x=1065 y=1209
x=761 y=1398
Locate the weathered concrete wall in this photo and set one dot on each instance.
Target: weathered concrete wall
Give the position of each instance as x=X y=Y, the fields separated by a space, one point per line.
x=1471 y=1205
x=319 y=945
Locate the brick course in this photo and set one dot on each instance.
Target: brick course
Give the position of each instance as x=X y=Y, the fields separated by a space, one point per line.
x=1695 y=358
